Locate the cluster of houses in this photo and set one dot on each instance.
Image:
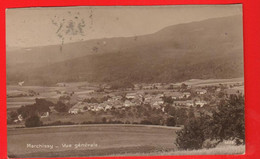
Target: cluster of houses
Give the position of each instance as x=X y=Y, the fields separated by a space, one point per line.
x=139 y=98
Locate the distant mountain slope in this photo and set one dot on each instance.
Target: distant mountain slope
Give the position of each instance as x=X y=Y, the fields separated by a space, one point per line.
x=208 y=49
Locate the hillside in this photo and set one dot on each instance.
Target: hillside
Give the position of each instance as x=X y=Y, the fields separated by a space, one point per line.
x=207 y=49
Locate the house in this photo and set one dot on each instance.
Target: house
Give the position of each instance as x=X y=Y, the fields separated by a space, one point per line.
x=156 y=106
x=189 y=103
x=157 y=101
x=21 y=83
x=218 y=90
x=128 y=103
x=147 y=86
x=184 y=103
x=100 y=107
x=138 y=86
x=201 y=91
x=157 y=85
x=200 y=103
x=137 y=101
x=147 y=99
x=161 y=95
x=20 y=117
x=81 y=107
x=108 y=107
x=174 y=95
x=235 y=91
x=74 y=111
x=114 y=98
x=45 y=115
x=186 y=94
x=117 y=106
x=131 y=95
x=163 y=109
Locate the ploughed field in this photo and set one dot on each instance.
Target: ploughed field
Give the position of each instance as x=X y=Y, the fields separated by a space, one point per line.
x=89 y=140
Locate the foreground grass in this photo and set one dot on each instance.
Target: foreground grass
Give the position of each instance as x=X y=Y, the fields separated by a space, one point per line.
x=221 y=150
x=139 y=151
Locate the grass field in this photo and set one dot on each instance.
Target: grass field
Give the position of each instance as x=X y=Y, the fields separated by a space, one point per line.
x=219 y=150
x=207 y=82
x=109 y=139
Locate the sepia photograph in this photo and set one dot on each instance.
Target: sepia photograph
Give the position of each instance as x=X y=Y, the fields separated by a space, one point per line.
x=89 y=81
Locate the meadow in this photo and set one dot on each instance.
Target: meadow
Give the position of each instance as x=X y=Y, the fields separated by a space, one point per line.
x=109 y=140
x=211 y=82
x=219 y=150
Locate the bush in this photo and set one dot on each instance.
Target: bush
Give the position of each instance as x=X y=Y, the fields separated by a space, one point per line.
x=104 y=120
x=191 y=136
x=61 y=107
x=13 y=115
x=42 y=105
x=170 y=121
x=146 y=122
x=56 y=123
x=228 y=122
x=33 y=121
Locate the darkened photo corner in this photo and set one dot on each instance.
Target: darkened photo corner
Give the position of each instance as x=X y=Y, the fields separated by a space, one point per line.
x=125 y=81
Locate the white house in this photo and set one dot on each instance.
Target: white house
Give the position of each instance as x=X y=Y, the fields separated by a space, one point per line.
x=45 y=115
x=74 y=111
x=128 y=103
x=131 y=95
x=200 y=103
x=186 y=94
x=20 y=118
x=201 y=91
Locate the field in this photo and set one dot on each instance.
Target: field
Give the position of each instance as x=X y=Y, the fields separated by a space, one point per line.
x=219 y=150
x=108 y=140
x=210 y=82
x=49 y=93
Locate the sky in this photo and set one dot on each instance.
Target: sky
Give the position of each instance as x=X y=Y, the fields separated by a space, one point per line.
x=40 y=26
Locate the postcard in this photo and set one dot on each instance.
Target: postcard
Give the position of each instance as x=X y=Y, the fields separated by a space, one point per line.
x=125 y=81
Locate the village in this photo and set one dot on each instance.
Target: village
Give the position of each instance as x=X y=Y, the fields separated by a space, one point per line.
x=80 y=98
x=156 y=95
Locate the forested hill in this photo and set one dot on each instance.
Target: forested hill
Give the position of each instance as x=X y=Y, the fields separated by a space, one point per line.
x=207 y=49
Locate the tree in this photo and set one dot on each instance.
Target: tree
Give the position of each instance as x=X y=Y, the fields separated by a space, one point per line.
x=33 y=121
x=168 y=100
x=194 y=133
x=181 y=116
x=27 y=111
x=170 y=110
x=184 y=86
x=91 y=100
x=228 y=120
x=13 y=115
x=60 y=107
x=191 y=114
x=221 y=94
x=170 y=121
x=104 y=120
x=191 y=136
x=42 y=105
